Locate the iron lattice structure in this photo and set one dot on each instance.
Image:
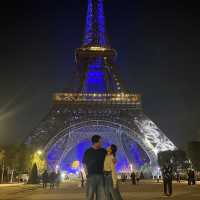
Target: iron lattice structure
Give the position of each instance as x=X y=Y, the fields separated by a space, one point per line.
x=99 y=105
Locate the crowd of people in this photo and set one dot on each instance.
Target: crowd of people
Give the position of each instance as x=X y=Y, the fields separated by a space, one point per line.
x=53 y=179
x=134 y=176
x=102 y=180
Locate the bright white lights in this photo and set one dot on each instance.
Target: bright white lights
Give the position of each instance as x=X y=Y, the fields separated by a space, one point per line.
x=39 y=152
x=63 y=175
x=154 y=136
x=97 y=49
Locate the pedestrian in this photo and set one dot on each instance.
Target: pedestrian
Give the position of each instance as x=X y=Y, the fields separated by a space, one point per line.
x=193 y=178
x=189 y=176
x=158 y=178
x=110 y=175
x=45 y=177
x=137 y=177
x=178 y=177
x=93 y=162
x=141 y=176
x=82 y=179
x=58 y=179
x=52 y=179
x=123 y=177
x=133 y=178
x=167 y=179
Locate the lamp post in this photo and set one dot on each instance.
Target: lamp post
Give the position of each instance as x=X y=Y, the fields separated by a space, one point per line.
x=39 y=160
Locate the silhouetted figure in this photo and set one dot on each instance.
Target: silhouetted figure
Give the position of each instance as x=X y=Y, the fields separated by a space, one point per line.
x=52 y=180
x=141 y=176
x=123 y=177
x=191 y=177
x=133 y=178
x=58 y=179
x=178 y=178
x=167 y=179
x=45 y=177
x=137 y=177
x=158 y=178
x=82 y=179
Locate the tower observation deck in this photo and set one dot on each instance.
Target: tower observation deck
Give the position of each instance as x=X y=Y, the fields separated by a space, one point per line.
x=98 y=80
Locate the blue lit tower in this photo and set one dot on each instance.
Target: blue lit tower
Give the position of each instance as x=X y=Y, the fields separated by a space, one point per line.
x=98 y=104
x=95 y=31
x=95 y=59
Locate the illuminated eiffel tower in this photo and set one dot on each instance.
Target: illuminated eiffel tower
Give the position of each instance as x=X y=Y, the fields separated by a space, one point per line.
x=98 y=104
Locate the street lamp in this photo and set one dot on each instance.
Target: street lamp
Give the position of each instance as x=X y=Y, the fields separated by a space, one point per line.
x=39 y=152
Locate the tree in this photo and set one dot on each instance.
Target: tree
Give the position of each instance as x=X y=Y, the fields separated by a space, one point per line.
x=2 y=165
x=40 y=161
x=11 y=161
x=20 y=159
x=25 y=156
x=193 y=153
x=177 y=158
x=164 y=157
x=34 y=179
x=2 y=154
x=15 y=159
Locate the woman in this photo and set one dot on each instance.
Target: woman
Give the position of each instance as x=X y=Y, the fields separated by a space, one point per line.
x=110 y=175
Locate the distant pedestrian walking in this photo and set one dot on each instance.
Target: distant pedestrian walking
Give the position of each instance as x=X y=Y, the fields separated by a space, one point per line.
x=141 y=176
x=58 y=179
x=123 y=177
x=52 y=180
x=45 y=177
x=191 y=177
x=133 y=178
x=178 y=177
x=82 y=179
x=167 y=179
x=138 y=177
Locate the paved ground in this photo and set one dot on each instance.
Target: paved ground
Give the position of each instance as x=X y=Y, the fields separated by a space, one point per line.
x=147 y=190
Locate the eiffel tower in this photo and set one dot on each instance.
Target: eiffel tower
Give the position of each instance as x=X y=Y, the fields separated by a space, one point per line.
x=98 y=104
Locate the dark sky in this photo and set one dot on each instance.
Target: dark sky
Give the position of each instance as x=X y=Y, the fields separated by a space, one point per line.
x=159 y=57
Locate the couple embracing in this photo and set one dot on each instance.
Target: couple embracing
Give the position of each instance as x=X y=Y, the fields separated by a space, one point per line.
x=99 y=166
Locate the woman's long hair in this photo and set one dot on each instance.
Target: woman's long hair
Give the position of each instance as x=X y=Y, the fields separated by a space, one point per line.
x=114 y=149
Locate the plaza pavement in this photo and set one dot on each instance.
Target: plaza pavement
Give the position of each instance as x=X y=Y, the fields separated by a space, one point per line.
x=147 y=190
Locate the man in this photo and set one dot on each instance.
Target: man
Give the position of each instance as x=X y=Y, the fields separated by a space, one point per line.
x=137 y=177
x=58 y=179
x=178 y=177
x=189 y=177
x=167 y=172
x=133 y=178
x=93 y=162
x=193 y=177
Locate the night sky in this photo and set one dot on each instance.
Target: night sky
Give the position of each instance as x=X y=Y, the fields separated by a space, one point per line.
x=159 y=56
